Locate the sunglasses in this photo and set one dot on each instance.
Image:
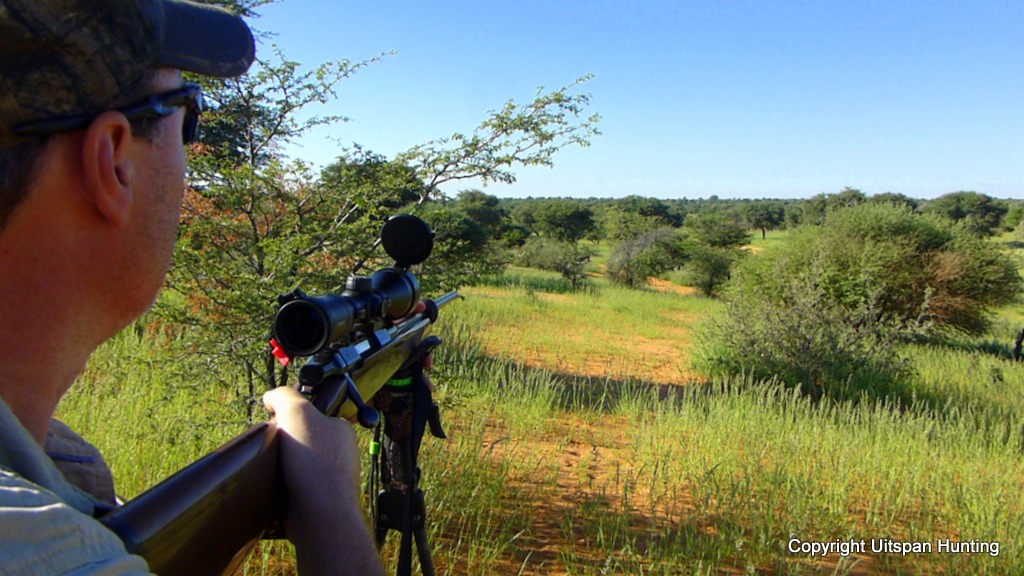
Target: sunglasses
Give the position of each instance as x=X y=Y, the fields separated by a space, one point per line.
x=189 y=97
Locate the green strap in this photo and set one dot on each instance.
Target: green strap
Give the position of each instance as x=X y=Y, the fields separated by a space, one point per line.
x=400 y=382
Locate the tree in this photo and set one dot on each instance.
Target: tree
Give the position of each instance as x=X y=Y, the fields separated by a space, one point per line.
x=463 y=251
x=846 y=198
x=563 y=220
x=718 y=229
x=621 y=225
x=1014 y=215
x=709 y=268
x=363 y=174
x=567 y=258
x=978 y=213
x=649 y=208
x=514 y=235
x=893 y=198
x=484 y=209
x=517 y=135
x=522 y=214
x=650 y=254
x=764 y=216
x=815 y=209
x=256 y=225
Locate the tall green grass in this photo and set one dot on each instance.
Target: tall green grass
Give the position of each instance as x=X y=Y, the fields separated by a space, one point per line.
x=130 y=403
x=548 y=471
x=721 y=476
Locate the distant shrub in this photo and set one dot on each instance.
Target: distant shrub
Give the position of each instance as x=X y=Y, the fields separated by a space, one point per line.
x=650 y=254
x=926 y=273
x=805 y=339
x=825 y=311
x=718 y=229
x=568 y=259
x=709 y=268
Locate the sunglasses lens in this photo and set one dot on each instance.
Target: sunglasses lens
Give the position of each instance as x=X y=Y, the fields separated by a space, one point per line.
x=190 y=125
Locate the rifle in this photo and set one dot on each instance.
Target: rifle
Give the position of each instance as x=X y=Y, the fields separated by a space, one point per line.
x=206 y=518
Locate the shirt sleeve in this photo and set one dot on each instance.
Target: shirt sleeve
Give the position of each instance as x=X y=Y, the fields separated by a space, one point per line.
x=40 y=534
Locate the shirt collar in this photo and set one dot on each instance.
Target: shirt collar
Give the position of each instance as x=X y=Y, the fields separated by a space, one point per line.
x=20 y=453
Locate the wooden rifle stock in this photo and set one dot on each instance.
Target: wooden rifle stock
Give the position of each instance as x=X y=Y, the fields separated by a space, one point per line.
x=206 y=518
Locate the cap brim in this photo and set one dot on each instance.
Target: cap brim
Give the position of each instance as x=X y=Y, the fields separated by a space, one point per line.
x=206 y=40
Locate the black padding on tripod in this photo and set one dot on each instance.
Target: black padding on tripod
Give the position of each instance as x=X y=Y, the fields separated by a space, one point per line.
x=404 y=509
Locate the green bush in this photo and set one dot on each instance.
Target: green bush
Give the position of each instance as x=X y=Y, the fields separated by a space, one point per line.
x=718 y=229
x=463 y=252
x=568 y=259
x=929 y=276
x=825 y=311
x=709 y=268
x=649 y=254
x=805 y=339
x=979 y=214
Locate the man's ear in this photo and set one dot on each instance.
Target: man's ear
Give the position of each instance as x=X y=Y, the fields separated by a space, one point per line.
x=108 y=167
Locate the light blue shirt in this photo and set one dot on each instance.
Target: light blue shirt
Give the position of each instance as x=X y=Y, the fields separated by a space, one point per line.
x=46 y=524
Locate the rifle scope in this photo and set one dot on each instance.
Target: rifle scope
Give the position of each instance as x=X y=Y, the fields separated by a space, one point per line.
x=305 y=325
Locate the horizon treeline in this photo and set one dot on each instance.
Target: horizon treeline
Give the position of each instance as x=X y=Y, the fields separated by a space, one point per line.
x=986 y=215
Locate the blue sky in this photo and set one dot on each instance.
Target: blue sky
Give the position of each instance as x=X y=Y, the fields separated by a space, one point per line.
x=729 y=98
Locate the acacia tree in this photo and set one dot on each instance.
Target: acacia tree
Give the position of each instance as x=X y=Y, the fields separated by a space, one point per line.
x=563 y=220
x=633 y=216
x=567 y=258
x=256 y=225
x=764 y=216
x=718 y=229
x=619 y=225
x=636 y=260
x=715 y=241
x=517 y=135
x=979 y=214
x=483 y=209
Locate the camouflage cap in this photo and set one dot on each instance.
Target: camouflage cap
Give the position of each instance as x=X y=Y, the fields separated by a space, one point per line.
x=71 y=57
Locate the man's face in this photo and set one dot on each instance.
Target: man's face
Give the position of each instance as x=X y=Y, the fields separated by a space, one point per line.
x=158 y=187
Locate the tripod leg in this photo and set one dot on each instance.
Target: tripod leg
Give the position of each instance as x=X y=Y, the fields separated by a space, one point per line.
x=423 y=548
x=405 y=555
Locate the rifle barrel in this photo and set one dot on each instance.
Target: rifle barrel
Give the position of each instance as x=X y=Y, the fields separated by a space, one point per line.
x=442 y=300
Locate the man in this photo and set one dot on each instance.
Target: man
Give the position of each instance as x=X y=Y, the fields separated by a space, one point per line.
x=93 y=117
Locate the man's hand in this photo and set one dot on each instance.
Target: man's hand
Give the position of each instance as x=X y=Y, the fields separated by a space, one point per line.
x=320 y=461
